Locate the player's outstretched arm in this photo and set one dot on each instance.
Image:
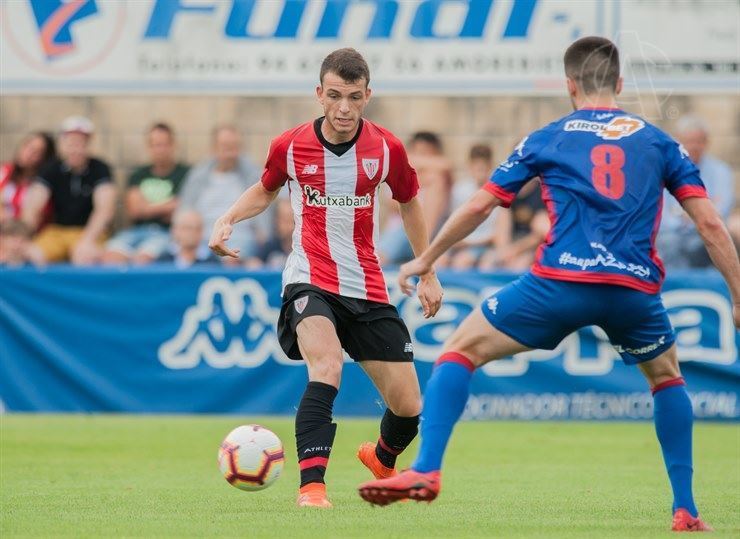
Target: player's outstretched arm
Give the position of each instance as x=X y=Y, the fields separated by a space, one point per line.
x=253 y=201
x=461 y=223
x=429 y=290
x=719 y=245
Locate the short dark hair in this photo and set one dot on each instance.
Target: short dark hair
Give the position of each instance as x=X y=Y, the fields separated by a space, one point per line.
x=348 y=64
x=161 y=126
x=593 y=63
x=480 y=151
x=427 y=137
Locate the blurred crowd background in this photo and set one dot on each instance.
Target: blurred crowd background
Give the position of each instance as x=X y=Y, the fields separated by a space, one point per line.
x=136 y=181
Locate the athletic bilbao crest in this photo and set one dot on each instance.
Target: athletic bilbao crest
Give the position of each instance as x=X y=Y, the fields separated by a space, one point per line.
x=371 y=167
x=300 y=304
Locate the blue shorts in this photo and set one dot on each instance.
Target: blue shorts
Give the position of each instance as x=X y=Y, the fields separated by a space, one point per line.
x=539 y=313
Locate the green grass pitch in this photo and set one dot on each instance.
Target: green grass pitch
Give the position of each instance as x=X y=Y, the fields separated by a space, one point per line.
x=112 y=476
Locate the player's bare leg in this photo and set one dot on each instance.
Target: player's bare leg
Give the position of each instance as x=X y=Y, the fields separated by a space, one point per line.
x=673 y=424
x=314 y=430
x=474 y=343
x=399 y=386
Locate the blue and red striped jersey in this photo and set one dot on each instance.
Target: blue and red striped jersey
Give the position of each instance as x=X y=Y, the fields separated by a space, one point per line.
x=602 y=173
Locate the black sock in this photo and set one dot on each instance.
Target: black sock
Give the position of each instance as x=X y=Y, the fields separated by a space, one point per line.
x=314 y=431
x=396 y=433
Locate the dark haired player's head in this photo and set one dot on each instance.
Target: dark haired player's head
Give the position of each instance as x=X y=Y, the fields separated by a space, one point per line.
x=592 y=69
x=343 y=93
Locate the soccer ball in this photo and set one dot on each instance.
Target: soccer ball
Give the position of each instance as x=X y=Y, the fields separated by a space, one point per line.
x=251 y=457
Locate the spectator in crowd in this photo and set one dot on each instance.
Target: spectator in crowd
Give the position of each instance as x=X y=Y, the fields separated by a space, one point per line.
x=35 y=152
x=187 y=247
x=468 y=252
x=210 y=187
x=274 y=253
x=83 y=199
x=151 y=199
x=434 y=170
x=679 y=243
x=15 y=244
x=519 y=231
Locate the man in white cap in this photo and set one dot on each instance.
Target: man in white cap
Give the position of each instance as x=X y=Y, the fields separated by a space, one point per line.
x=83 y=199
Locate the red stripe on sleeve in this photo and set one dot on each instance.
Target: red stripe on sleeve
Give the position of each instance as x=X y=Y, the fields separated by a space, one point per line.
x=499 y=192
x=690 y=191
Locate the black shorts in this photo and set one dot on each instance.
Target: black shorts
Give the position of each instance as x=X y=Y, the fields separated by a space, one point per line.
x=367 y=330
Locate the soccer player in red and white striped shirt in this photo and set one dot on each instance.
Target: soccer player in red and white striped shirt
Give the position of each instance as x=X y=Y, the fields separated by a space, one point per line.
x=334 y=293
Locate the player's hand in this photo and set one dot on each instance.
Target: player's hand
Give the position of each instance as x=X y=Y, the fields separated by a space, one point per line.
x=411 y=269
x=220 y=235
x=430 y=294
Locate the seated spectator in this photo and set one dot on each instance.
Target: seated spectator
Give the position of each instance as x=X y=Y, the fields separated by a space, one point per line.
x=468 y=252
x=211 y=187
x=35 y=152
x=151 y=199
x=434 y=171
x=15 y=244
x=83 y=199
x=274 y=253
x=679 y=243
x=187 y=247
x=519 y=231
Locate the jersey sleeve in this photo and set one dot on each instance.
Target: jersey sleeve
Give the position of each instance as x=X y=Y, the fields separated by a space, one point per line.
x=521 y=166
x=401 y=177
x=681 y=175
x=275 y=173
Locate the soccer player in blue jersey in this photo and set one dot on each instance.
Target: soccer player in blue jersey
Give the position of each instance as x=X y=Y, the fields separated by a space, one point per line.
x=602 y=172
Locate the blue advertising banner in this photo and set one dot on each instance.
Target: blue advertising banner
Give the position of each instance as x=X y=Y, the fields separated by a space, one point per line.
x=159 y=340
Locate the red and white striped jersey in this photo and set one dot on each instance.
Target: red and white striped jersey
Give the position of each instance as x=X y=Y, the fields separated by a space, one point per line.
x=334 y=205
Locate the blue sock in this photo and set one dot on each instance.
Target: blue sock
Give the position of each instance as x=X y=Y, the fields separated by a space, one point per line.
x=444 y=401
x=674 y=418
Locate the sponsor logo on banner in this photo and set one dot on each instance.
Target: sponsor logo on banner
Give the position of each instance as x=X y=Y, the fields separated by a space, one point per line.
x=70 y=36
x=370 y=166
x=231 y=325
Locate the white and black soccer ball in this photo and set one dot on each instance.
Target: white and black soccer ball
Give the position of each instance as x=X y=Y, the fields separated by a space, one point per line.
x=251 y=457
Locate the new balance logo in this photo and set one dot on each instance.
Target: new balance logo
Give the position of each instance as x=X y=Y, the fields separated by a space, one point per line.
x=310 y=169
x=408 y=347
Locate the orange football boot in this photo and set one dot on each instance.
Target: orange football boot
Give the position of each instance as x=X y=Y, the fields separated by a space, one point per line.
x=684 y=522
x=408 y=485
x=366 y=454
x=313 y=495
